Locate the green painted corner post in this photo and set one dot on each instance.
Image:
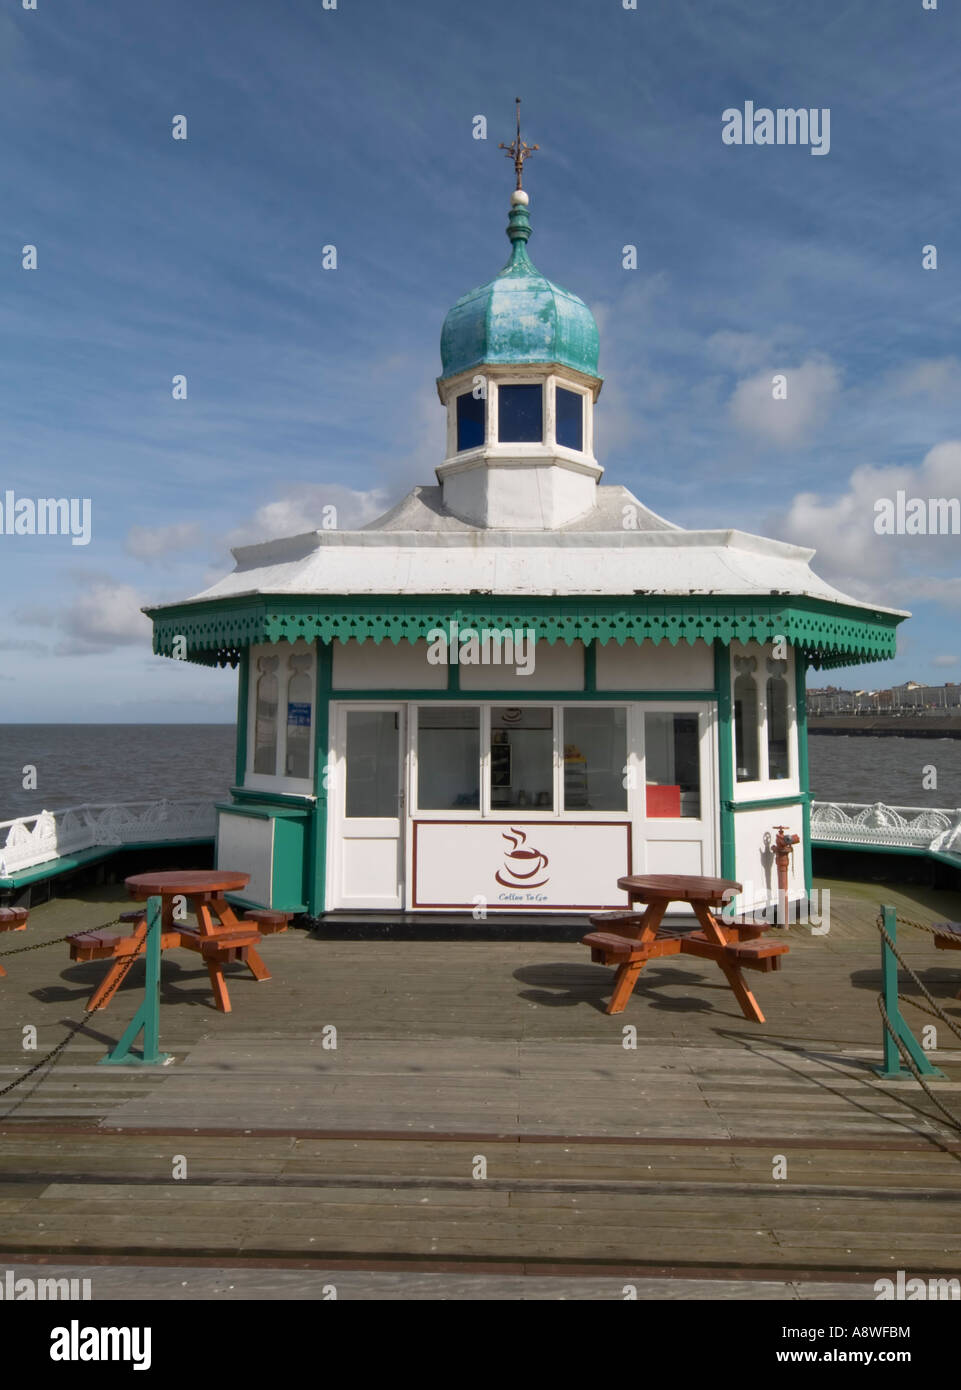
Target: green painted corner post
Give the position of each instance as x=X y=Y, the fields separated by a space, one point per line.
x=892 y=1070
x=804 y=775
x=590 y=666
x=243 y=677
x=317 y=859
x=147 y=1016
x=725 y=755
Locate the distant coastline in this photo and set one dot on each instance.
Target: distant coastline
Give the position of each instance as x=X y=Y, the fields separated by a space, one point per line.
x=887 y=725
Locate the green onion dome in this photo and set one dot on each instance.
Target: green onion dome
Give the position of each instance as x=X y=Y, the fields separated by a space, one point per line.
x=519 y=317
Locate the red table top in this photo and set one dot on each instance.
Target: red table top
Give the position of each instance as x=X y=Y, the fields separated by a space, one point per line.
x=185 y=881
x=677 y=887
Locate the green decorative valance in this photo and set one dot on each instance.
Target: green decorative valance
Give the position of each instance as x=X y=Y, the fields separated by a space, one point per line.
x=827 y=634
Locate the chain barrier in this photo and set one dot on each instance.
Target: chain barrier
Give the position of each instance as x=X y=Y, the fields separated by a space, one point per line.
x=934 y=1010
x=906 y=1057
x=58 y=940
x=55 y=1052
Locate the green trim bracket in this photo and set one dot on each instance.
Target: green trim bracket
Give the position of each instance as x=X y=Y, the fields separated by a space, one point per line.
x=827 y=634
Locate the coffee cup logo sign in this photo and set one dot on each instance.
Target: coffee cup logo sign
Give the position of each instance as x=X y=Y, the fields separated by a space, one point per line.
x=521 y=863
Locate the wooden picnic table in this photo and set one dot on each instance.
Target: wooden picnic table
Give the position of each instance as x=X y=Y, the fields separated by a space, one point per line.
x=218 y=938
x=630 y=939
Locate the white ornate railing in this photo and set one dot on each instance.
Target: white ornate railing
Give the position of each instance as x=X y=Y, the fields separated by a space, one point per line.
x=32 y=840
x=907 y=827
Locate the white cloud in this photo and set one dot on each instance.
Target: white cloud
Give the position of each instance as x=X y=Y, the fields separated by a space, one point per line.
x=302 y=509
x=945 y=659
x=892 y=569
x=938 y=378
x=102 y=616
x=739 y=352
x=812 y=389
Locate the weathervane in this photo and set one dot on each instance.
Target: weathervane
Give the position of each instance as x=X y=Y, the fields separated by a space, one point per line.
x=518 y=150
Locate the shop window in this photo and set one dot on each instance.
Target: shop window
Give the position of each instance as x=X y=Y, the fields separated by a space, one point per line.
x=373 y=765
x=746 y=720
x=778 y=721
x=522 y=758
x=448 y=758
x=569 y=428
x=471 y=412
x=595 y=756
x=520 y=414
x=265 y=728
x=673 y=765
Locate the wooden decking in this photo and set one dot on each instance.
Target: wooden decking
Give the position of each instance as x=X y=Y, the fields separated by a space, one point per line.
x=657 y=1165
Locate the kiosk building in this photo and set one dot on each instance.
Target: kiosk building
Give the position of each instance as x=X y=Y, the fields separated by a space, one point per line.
x=520 y=683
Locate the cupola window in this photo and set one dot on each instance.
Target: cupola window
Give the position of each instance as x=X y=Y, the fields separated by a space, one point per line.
x=520 y=414
x=570 y=419
x=470 y=421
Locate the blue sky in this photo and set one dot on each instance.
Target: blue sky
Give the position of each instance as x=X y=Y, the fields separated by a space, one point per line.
x=353 y=127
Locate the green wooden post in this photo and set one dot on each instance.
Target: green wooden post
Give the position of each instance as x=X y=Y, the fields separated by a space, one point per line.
x=316 y=887
x=590 y=667
x=725 y=755
x=804 y=775
x=892 y=1069
x=243 y=674
x=147 y=1016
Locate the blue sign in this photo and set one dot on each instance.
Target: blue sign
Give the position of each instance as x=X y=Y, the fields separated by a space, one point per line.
x=298 y=715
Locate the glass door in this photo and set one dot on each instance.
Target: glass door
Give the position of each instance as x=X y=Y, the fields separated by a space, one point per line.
x=678 y=806
x=367 y=804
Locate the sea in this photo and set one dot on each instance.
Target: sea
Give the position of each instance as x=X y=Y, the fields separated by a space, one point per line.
x=97 y=763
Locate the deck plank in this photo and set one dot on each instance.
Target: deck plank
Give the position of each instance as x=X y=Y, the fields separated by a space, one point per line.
x=656 y=1156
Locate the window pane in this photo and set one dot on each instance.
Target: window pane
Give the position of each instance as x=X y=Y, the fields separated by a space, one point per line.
x=265 y=717
x=470 y=422
x=299 y=698
x=520 y=415
x=745 y=729
x=448 y=758
x=595 y=755
x=373 y=766
x=522 y=758
x=570 y=419
x=673 y=765
x=777 y=728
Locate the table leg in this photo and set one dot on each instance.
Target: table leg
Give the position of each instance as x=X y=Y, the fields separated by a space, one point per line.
x=624 y=982
x=228 y=920
x=712 y=927
x=255 y=965
x=226 y=916
x=101 y=995
x=219 y=986
x=732 y=973
x=205 y=919
x=626 y=977
x=749 y=1005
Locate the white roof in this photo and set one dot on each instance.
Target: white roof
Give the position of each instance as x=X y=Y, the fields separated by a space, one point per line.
x=419 y=548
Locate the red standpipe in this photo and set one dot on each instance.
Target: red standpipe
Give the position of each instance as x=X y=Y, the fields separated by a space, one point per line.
x=783 y=854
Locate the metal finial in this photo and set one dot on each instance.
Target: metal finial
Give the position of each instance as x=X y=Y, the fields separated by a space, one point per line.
x=518 y=150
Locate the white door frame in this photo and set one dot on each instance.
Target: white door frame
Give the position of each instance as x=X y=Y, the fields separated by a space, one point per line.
x=706 y=828
x=340 y=830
